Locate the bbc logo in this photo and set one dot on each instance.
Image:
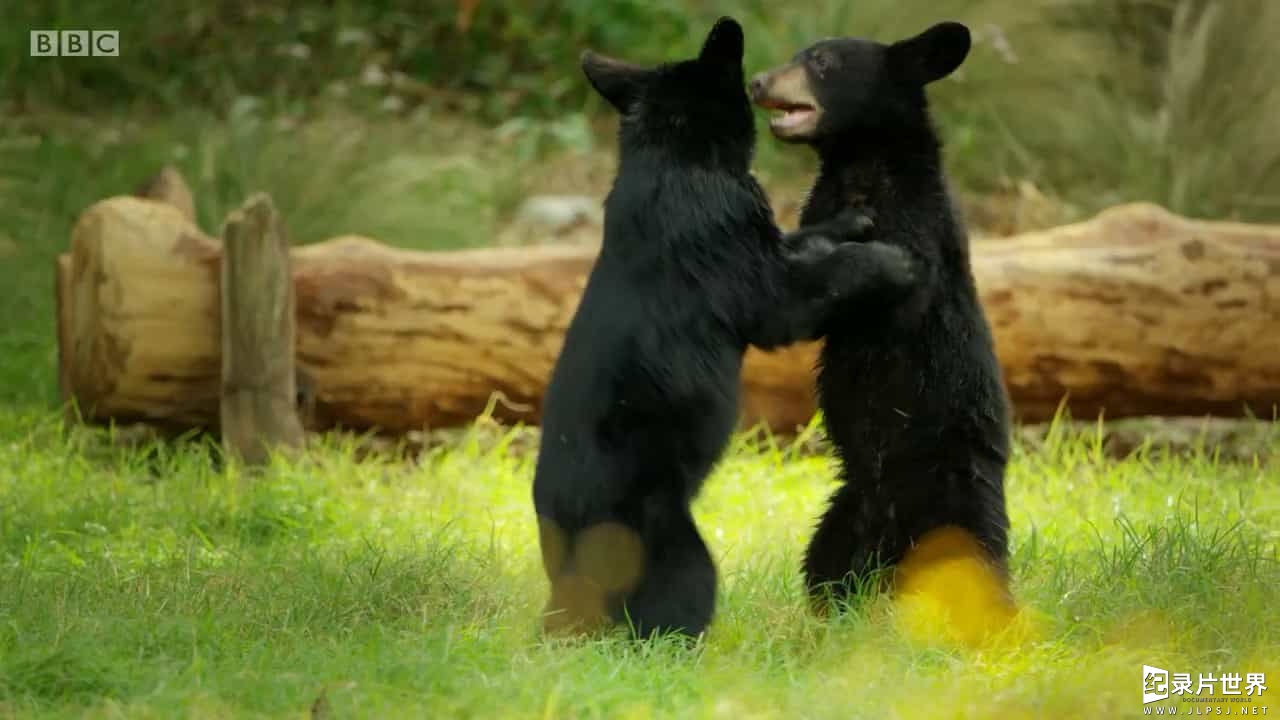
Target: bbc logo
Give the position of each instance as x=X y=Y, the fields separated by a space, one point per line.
x=75 y=43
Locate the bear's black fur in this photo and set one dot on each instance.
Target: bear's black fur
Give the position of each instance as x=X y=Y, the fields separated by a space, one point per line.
x=644 y=394
x=910 y=388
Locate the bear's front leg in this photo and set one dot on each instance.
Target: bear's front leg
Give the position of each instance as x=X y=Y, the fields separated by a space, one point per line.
x=870 y=268
x=812 y=243
x=822 y=277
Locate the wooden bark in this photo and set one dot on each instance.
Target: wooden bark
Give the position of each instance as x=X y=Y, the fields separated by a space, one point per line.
x=258 y=389
x=1135 y=312
x=1138 y=312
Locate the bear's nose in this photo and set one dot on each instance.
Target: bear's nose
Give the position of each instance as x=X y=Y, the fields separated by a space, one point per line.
x=757 y=85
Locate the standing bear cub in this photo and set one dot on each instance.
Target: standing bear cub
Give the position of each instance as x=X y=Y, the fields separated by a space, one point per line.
x=644 y=394
x=909 y=385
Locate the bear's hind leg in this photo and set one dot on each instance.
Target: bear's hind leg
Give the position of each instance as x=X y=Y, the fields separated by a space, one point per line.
x=953 y=580
x=961 y=523
x=846 y=551
x=589 y=570
x=962 y=513
x=677 y=588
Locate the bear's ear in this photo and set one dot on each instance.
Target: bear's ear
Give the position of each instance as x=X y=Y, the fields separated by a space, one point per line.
x=617 y=81
x=724 y=44
x=931 y=55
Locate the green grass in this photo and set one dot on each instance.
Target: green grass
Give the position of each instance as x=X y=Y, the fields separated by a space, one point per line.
x=147 y=582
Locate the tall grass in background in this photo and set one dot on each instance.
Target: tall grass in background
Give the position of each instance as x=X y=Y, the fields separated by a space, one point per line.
x=1186 y=111
x=1094 y=101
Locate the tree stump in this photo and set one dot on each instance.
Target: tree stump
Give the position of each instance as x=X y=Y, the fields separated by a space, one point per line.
x=259 y=395
x=62 y=281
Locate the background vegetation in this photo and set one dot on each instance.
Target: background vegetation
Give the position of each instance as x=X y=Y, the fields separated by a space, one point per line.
x=143 y=582
x=1166 y=98
x=425 y=124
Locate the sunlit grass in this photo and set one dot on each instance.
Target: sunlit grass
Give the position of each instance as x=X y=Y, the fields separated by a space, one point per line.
x=148 y=582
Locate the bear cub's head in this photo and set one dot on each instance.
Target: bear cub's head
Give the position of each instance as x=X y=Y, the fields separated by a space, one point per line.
x=853 y=85
x=699 y=105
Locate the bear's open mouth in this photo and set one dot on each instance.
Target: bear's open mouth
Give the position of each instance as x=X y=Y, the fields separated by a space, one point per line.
x=787 y=114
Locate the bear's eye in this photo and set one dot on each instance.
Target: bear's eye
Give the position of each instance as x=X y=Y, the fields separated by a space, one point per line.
x=820 y=61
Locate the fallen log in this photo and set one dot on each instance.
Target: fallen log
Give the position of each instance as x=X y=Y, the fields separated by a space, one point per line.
x=1135 y=312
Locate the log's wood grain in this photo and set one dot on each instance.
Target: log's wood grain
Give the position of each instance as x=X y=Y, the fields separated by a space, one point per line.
x=1137 y=312
x=1134 y=312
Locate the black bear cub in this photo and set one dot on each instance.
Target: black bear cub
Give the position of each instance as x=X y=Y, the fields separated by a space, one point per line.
x=644 y=394
x=909 y=385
